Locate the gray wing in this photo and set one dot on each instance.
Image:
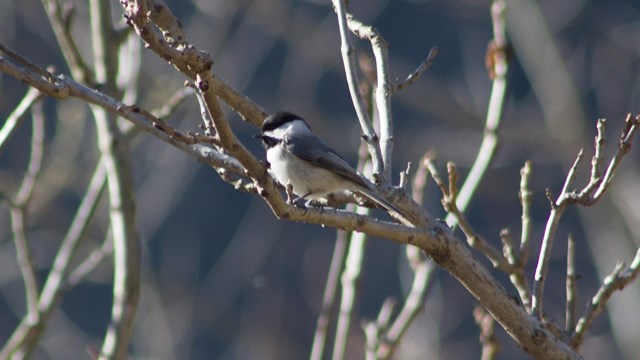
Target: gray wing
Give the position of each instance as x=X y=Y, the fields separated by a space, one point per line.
x=313 y=150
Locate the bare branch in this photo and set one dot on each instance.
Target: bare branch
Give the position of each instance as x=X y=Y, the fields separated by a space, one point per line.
x=516 y=273
x=65 y=87
x=487 y=150
x=26 y=62
x=507 y=246
x=26 y=336
x=570 y=310
x=488 y=339
x=624 y=145
x=374 y=330
x=618 y=279
x=383 y=342
x=329 y=296
x=557 y=209
x=525 y=196
x=115 y=152
x=417 y=73
x=587 y=197
x=126 y=286
x=19 y=210
x=349 y=62
x=35 y=161
x=449 y=196
x=15 y=118
x=47 y=84
x=383 y=89
x=209 y=128
x=185 y=57
x=423 y=272
x=349 y=280
x=163 y=18
x=90 y=262
x=61 y=20
x=25 y=260
x=18 y=213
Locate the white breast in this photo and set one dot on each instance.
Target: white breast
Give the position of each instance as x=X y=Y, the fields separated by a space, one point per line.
x=305 y=179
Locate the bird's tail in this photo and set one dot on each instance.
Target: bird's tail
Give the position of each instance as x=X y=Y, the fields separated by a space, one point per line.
x=379 y=200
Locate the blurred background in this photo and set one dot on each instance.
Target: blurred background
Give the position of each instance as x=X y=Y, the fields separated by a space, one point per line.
x=224 y=279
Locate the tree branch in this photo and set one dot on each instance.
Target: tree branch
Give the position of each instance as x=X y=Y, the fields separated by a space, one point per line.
x=17 y=115
x=497 y=51
x=383 y=89
x=618 y=279
x=349 y=62
x=587 y=197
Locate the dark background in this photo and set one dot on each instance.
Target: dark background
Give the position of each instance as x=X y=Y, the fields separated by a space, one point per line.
x=223 y=279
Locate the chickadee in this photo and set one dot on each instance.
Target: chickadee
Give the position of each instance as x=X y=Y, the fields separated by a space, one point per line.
x=314 y=170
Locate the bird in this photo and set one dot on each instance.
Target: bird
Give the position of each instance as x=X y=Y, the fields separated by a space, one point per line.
x=299 y=158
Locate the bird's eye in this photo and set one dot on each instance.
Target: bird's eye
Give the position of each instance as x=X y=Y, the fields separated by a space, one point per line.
x=270 y=141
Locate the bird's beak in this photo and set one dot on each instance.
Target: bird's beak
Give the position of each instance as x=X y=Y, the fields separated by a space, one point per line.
x=257 y=136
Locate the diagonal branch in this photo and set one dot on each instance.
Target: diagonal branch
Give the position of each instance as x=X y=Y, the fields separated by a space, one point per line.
x=17 y=115
x=619 y=278
x=417 y=73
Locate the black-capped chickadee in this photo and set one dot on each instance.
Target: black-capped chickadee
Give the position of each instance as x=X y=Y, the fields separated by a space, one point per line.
x=314 y=170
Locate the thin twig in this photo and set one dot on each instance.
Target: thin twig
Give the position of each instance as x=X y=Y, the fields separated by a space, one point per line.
x=349 y=280
x=423 y=270
x=35 y=161
x=417 y=73
x=209 y=128
x=525 y=196
x=624 y=146
x=507 y=246
x=570 y=310
x=25 y=260
x=449 y=196
x=329 y=296
x=14 y=119
x=89 y=264
x=61 y=20
x=19 y=211
x=618 y=279
x=596 y=161
x=488 y=339
x=374 y=330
